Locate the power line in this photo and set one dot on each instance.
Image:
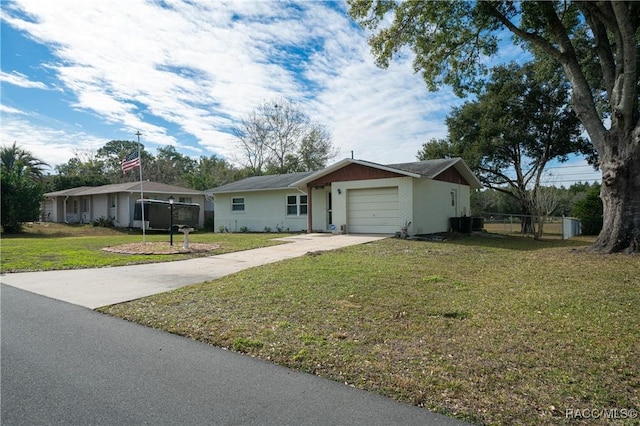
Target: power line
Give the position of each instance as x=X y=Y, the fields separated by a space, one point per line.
x=568 y=167
x=577 y=174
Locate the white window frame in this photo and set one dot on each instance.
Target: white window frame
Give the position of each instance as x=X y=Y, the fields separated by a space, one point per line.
x=299 y=205
x=235 y=203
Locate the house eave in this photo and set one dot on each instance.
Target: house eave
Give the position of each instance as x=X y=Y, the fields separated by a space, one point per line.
x=345 y=162
x=239 y=191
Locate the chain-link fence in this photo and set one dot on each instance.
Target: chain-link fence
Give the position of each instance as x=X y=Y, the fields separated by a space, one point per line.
x=503 y=223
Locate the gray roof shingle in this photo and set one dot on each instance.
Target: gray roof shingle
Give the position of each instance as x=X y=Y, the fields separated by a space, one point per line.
x=147 y=186
x=261 y=183
x=427 y=168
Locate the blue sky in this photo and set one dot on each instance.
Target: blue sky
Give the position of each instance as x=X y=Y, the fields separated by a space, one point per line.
x=76 y=75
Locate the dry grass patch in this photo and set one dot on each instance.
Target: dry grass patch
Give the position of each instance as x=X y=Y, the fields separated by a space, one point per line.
x=490 y=330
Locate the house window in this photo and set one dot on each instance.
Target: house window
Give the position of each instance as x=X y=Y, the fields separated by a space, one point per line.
x=112 y=201
x=296 y=205
x=75 y=206
x=237 y=204
x=185 y=200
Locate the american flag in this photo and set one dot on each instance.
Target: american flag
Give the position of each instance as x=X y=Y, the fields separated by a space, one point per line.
x=131 y=161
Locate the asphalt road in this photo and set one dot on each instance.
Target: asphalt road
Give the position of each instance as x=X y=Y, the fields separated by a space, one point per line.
x=63 y=364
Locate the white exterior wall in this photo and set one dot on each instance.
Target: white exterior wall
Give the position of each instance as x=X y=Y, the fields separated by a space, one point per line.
x=49 y=210
x=100 y=206
x=339 y=200
x=432 y=204
x=262 y=210
x=124 y=210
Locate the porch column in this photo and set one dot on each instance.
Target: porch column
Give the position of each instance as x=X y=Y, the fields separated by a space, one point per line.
x=309 y=210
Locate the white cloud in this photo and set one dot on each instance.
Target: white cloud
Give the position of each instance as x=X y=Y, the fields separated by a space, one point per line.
x=21 y=80
x=196 y=68
x=10 y=110
x=37 y=140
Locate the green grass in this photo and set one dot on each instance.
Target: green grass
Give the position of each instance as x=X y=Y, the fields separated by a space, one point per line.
x=490 y=330
x=48 y=246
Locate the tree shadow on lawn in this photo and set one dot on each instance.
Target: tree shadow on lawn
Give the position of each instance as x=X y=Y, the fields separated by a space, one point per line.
x=505 y=241
x=42 y=231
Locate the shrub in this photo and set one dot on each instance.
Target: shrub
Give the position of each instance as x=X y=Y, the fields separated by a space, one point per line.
x=589 y=211
x=20 y=200
x=103 y=222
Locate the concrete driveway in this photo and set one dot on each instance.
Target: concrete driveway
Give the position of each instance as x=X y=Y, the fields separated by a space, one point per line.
x=96 y=287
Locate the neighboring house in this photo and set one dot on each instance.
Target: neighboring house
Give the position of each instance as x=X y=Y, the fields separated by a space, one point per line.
x=351 y=196
x=117 y=201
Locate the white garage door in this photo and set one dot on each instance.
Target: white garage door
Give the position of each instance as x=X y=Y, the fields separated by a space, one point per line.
x=373 y=210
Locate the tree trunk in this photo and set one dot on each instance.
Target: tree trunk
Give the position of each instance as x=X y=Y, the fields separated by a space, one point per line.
x=526 y=226
x=620 y=196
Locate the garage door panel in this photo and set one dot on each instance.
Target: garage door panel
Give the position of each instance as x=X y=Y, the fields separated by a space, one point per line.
x=373 y=210
x=375 y=221
x=380 y=214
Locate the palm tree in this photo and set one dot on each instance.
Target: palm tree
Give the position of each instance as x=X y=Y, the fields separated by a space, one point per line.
x=16 y=159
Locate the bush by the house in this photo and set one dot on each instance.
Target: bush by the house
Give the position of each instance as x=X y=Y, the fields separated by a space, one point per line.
x=103 y=222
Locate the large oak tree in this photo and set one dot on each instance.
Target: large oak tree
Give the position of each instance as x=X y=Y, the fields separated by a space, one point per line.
x=596 y=43
x=518 y=124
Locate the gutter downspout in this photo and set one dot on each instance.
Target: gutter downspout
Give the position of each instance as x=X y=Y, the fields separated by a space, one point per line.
x=64 y=209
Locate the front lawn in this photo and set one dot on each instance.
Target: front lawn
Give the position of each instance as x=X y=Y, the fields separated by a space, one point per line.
x=51 y=246
x=492 y=330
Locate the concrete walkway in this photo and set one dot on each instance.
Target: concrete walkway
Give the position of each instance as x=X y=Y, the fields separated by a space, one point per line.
x=96 y=287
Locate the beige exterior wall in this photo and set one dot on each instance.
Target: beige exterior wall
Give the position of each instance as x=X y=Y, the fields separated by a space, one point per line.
x=262 y=210
x=432 y=202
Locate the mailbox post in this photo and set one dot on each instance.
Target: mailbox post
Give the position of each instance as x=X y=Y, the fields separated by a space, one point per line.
x=171 y=219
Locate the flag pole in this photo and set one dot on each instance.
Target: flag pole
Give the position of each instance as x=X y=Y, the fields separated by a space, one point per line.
x=144 y=237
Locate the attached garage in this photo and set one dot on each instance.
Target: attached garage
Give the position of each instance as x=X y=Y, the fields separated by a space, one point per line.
x=373 y=210
x=351 y=196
